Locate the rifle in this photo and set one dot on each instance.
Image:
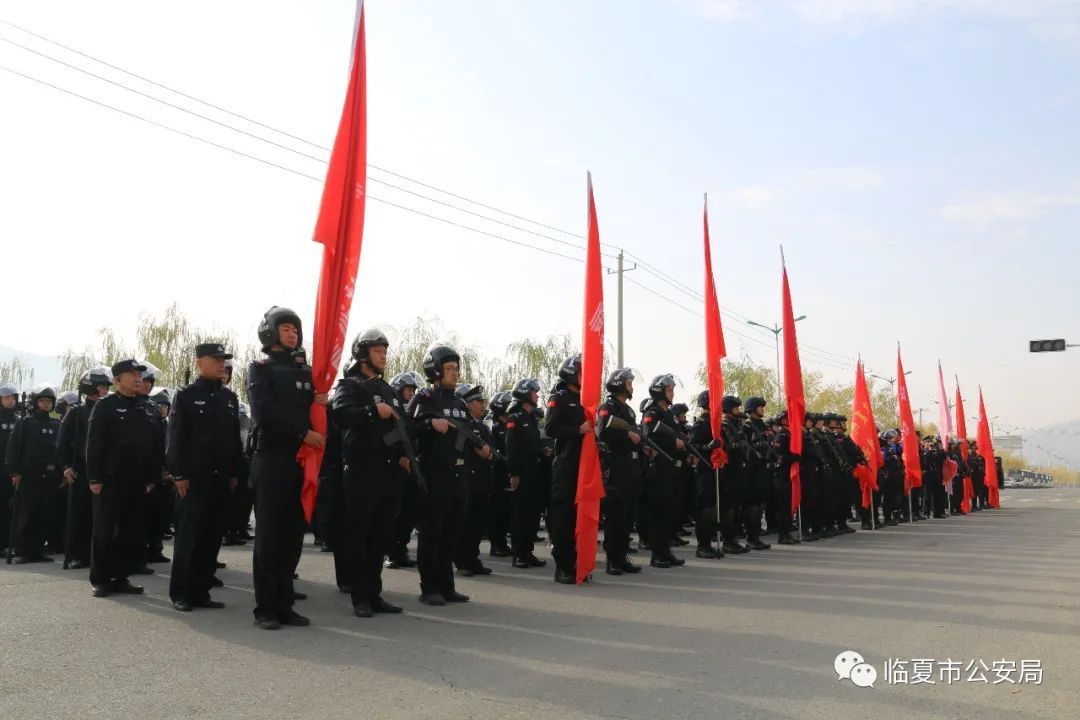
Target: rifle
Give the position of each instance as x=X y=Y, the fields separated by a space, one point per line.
x=621 y=425
x=465 y=435
x=672 y=432
x=401 y=435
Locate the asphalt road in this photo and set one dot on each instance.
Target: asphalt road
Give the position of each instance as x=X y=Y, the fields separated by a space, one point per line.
x=746 y=637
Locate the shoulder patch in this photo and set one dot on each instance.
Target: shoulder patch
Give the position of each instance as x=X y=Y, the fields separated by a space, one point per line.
x=551 y=403
x=511 y=425
x=604 y=412
x=649 y=418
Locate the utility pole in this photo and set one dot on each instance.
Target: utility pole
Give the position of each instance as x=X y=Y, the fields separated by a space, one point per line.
x=620 y=268
x=776 y=329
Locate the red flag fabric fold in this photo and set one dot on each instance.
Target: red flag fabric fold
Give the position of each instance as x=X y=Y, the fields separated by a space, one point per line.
x=864 y=434
x=912 y=462
x=590 y=487
x=967 y=489
x=793 y=388
x=340 y=230
x=945 y=428
x=714 y=351
x=985 y=443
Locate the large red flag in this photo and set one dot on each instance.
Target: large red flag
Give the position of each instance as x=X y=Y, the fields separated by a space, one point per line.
x=793 y=388
x=715 y=351
x=912 y=464
x=590 y=487
x=945 y=428
x=864 y=434
x=985 y=443
x=340 y=229
x=967 y=489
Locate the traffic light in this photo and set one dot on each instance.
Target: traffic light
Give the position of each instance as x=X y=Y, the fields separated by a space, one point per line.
x=1047 y=345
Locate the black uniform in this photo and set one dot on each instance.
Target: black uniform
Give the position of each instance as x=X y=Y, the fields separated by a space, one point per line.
x=735 y=483
x=524 y=460
x=707 y=482
x=8 y=419
x=781 y=469
x=160 y=504
x=442 y=507
x=330 y=504
x=758 y=482
x=500 y=508
x=813 y=468
x=280 y=392
x=892 y=483
x=933 y=471
x=565 y=417
x=124 y=451
x=479 y=474
x=31 y=453
x=204 y=449
x=620 y=460
x=71 y=446
x=371 y=482
x=660 y=490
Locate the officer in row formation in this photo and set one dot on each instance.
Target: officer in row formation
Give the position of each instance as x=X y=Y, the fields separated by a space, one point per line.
x=427 y=454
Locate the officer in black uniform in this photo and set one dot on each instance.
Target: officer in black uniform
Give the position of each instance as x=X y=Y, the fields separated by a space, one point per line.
x=280 y=392
x=365 y=408
x=892 y=480
x=758 y=482
x=157 y=504
x=71 y=445
x=405 y=386
x=238 y=521
x=736 y=475
x=619 y=442
x=783 y=460
x=956 y=498
x=660 y=483
x=524 y=461
x=9 y=396
x=500 y=508
x=933 y=471
x=34 y=469
x=442 y=459
x=686 y=487
x=479 y=480
x=566 y=425
x=124 y=452
x=205 y=459
x=710 y=487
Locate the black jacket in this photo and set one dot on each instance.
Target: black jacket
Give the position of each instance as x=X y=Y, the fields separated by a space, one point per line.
x=280 y=392
x=31 y=449
x=363 y=432
x=124 y=441
x=204 y=432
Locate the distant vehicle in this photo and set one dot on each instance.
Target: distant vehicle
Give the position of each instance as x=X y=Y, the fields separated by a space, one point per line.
x=1028 y=479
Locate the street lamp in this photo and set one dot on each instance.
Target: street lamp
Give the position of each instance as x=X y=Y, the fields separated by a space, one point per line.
x=891 y=381
x=776 y=329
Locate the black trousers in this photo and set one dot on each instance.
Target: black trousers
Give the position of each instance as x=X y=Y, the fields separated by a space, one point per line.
x=406 y=518
x=159 y=509
x=241 y=504
x=80 y=521
x=662 y=499
x=119 y=533
x=372 y=493
x=56 y=520
x=476 y=521
x=525 y=519
x=200 y=521
x=6 y=507
x=782 y=521
x=500 y=509
x=442 y=514
x=279 y=530
x=32 y=512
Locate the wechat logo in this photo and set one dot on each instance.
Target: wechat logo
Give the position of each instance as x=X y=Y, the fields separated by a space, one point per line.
x=850 y=665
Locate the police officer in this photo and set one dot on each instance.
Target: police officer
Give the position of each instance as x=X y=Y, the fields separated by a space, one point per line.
x=479 y=473
x=500 y=508
x=366 y=409
x=658 y=424
x=619 y=456
x=158 y=500
x=124 y=452
x=204 y=458
x=240 y=501
x=280 y=392
x=736 y=476
x=758 y=483
x=892 y=482
x=685 y=488
x=405 y=386
x=524 y=461
x=71 y=445
x=9 y=396
x=34 y=470
x=783 y=460
x=566 y=424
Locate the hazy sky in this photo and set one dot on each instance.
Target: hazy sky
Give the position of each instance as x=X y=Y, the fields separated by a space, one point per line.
x=917 y=158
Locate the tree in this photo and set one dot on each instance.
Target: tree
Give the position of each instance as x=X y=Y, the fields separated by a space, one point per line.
x=76 y=362
x=17 y=372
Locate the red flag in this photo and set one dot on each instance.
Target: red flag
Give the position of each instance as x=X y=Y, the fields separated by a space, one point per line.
x=340 y=229
x=912 y=465
x=945 y=428
x=985 y=443
x=864 y=434
x=714 y=350
x=961 y=423
x=793 y=388
x=590 y=487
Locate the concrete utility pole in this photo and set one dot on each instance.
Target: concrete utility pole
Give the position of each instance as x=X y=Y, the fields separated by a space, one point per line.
x=618 y=271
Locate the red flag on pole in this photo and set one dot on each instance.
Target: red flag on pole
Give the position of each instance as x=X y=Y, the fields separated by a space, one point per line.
x=590 y=487
x=864 y=434
x=967 y=489
x=715 y=351
x=340 y=230
x=912 y=463
x=985 y=443
x=793 y=388
x=945 y=428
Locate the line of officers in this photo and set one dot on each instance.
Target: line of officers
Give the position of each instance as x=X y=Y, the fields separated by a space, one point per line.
x=433 y=455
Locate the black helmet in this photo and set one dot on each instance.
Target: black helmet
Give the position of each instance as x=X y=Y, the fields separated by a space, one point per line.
x=93 y=377
x=571 y=366
x=436 y=356
x=69 y=398
x=40 y=391
x=729 y=403
x=616 y=382
x=409 y=378
x=780 y=417
x=268 y=328
x=468 y=392
x=679 y=409
x=753 y=403
x=162 y=397
x=500 y=403
x=644 y=403
x=372 y=337
x=524 y=388
x=659 y=385
x=703 y=399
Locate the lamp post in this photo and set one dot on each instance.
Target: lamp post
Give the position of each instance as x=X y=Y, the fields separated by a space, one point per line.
x=776 y=329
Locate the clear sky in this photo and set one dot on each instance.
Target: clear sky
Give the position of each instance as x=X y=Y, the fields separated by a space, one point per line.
x=917 y=158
